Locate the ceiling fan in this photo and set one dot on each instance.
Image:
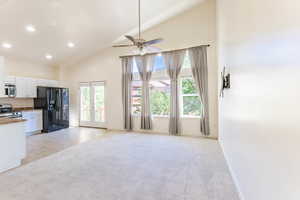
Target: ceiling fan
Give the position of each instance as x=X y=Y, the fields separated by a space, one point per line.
x=143 y=45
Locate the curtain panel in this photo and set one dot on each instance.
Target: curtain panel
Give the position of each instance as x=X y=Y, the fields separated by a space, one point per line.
x=174 y=61
x=145 y=65
x=198 y=58
x=127 y=67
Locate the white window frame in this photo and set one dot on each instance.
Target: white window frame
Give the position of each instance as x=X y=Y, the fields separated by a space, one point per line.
x=134 y=114
x=162 y=75
x=158 y=78
x=181 y=96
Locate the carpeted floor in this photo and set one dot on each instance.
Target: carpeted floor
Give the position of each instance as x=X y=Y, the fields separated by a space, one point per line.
x=125 y=167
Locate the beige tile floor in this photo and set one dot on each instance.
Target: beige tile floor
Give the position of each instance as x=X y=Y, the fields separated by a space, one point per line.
x=43 y=145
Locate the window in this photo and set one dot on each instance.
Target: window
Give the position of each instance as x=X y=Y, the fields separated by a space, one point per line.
x=136 y=93
x=160 y=97
x=159 y=85
x=190 y=102
x=85 y=100
x=186 y=62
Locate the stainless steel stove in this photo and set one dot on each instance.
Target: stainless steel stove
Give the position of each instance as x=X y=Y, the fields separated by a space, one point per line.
x=6 y=110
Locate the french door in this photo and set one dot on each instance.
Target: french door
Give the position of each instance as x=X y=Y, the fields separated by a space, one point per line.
x=92 y=104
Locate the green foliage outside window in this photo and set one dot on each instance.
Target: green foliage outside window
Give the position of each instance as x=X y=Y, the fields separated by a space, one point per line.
x=190 y=99
x=188 y=86
x=159 y=102
x=191 y=106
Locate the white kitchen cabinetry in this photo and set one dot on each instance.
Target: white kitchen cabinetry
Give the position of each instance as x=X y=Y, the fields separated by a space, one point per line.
x=12 y=145
x=26 y=87
x=2 y=77
x=47 y=83
x=10 y=80
x=34 y=123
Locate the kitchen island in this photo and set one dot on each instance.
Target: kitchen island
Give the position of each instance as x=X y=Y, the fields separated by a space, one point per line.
x=12 y=143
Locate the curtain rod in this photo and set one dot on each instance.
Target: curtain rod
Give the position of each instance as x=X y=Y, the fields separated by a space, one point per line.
x=166 y=51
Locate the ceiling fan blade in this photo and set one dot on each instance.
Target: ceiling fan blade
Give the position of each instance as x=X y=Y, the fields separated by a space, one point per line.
x=156 y=41
x=152 y=49
x=130 y=38
x=124 y=45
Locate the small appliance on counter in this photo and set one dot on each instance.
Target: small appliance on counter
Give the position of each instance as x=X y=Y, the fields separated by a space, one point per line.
x=55 y=105
x=6 y=110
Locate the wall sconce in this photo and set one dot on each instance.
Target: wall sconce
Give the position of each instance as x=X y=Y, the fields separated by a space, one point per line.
x=225 y=81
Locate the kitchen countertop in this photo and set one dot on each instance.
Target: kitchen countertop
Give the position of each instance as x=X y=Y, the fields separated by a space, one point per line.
x=19 y=109
x=6 y=120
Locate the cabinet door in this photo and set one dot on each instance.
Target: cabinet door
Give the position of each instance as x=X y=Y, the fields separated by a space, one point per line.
x=31 y=88
x=26 y=87
x=34 y=121
x=21 y=87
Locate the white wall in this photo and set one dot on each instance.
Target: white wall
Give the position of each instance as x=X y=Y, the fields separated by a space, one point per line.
x=194 y=27
x=259 y=116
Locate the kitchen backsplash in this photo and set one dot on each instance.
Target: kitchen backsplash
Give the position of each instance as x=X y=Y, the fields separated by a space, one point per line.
x=19 y=102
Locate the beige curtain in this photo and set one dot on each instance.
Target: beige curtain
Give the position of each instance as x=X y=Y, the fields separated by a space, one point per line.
x=127 y=65
x=198 y=58
x=145 y=66
x=174 y=61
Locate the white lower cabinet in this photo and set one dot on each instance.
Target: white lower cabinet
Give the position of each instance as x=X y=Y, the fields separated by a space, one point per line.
x=34 y=123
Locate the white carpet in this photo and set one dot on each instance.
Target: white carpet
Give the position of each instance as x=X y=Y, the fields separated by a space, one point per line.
x=125 y=167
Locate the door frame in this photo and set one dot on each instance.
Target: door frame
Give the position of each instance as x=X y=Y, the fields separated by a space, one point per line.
x=93 y=124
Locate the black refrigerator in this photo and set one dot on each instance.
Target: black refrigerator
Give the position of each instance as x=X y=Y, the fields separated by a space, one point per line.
x=55 y=105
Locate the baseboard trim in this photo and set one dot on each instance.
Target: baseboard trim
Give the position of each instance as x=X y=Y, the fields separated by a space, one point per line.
x=234 y=177
x=159 y=133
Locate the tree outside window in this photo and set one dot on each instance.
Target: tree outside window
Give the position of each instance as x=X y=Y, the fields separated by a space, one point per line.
x=190 y=102
x=160 y=97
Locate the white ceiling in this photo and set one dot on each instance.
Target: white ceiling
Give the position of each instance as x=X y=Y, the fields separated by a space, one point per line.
x=90 y=24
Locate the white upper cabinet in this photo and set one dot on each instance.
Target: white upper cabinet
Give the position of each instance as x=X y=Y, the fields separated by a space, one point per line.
x=2 y=76
x=27 y=87
x=47 y=83
x=21 y=87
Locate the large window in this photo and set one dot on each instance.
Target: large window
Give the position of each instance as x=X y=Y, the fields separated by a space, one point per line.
x=159 y=85
x=190 y=102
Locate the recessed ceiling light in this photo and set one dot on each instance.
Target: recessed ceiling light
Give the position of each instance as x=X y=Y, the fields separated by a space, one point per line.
x=6 y=45
x=30 y=28
x=71 y=44
x=48 y=57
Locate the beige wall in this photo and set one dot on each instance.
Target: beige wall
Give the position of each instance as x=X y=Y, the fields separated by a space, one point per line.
x=17 y=67
x=17 y=102
x=194 y=27
x=259 y=116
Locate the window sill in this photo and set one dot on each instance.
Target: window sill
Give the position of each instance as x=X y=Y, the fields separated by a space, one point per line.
x=161 y=116
x=190 y=117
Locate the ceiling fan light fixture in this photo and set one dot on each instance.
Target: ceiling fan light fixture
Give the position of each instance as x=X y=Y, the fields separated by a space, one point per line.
x=139 y=42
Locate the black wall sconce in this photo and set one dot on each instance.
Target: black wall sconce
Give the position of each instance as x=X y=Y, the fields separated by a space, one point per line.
x=225 y=80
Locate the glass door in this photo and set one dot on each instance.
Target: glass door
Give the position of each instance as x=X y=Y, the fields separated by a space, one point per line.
x=92 y=104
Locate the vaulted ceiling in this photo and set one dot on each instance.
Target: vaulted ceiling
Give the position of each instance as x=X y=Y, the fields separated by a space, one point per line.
x=90 y=25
